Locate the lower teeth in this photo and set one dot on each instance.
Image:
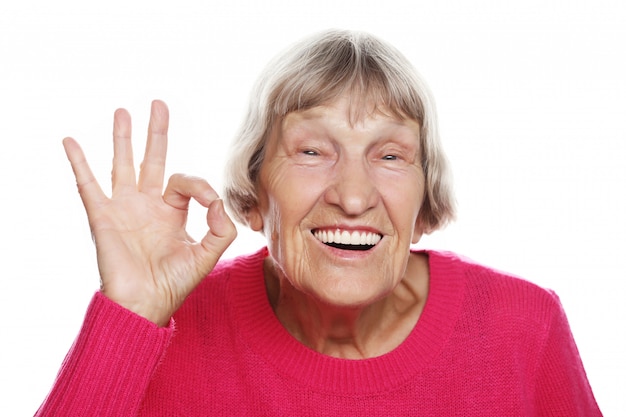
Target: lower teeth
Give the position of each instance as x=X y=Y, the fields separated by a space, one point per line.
x=350 y=247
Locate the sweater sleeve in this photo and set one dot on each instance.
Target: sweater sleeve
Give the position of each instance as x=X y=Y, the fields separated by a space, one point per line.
x=110 y=364
x=562 y=388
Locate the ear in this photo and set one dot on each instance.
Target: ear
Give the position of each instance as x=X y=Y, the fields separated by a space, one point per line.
x=254 y=218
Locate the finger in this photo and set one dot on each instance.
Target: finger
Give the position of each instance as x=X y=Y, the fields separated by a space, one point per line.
x=222 y=232
x=123 y=173
x=153 y=165
x=181 y=188
x=88 y=188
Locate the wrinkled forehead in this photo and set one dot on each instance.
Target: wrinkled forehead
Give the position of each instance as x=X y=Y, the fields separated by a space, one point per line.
x=355 y=109
x=353 y=112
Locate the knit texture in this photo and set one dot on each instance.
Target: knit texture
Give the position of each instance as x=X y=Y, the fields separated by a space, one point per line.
x=486 y=344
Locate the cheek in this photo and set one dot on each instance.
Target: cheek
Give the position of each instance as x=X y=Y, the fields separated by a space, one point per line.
x=403 y=197
x=294 y=193
x=287 y=203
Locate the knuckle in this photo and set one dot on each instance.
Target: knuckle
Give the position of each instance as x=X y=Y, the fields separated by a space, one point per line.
x=177 y=177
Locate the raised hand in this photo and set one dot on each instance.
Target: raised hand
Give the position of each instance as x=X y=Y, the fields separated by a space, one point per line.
x=147 y=261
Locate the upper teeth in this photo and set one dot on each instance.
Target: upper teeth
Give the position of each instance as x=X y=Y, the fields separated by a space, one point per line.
x=347 y=238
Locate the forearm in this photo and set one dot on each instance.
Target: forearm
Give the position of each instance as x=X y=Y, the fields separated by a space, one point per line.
x=109 y=367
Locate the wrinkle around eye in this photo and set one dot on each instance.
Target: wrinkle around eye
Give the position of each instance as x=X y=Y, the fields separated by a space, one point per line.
x=400 y=156
x=312 y=158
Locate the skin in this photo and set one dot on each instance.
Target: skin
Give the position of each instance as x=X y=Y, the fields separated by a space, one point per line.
x=147 y=261
x=326 y=169
x=321 y=171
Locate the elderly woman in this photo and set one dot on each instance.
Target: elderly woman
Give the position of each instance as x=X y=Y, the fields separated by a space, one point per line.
x=339 y=165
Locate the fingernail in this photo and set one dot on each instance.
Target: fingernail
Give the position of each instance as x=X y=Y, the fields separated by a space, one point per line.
x=220 y=208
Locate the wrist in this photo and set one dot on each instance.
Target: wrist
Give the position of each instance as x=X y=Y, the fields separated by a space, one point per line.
x=158 y=315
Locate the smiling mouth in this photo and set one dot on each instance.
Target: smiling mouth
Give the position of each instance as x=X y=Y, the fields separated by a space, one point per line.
x=347 y=240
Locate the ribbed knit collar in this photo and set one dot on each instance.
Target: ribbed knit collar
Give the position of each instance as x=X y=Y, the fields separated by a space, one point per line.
x=263 y=332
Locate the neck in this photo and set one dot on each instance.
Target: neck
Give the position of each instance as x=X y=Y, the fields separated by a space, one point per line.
x=351 y=332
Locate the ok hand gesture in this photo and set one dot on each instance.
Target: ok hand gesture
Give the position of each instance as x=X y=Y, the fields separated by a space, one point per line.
x=147 y=261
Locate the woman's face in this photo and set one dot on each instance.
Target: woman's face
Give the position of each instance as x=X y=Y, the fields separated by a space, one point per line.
x=339 y=202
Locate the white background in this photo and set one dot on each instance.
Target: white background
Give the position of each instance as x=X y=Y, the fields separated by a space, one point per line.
x=531 y=97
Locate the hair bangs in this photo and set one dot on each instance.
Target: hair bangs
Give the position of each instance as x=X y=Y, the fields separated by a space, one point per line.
x=346 y=67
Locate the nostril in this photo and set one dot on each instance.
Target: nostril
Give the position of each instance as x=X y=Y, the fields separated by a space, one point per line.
x=353 y=193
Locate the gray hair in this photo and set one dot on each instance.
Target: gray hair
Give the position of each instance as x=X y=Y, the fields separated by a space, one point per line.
x=317 y=71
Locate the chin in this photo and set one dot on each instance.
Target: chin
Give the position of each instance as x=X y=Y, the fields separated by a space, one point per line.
x=347 y=296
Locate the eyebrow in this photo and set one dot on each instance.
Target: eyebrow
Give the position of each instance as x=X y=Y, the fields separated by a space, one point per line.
x=319 y=112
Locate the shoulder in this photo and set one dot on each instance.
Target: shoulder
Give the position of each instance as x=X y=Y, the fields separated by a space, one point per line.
x=499 y=293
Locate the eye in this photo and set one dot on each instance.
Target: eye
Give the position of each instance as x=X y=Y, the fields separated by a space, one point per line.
x=390 y=157
x=310 y=152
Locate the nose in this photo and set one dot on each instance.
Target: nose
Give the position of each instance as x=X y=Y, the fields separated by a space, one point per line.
x=352 y=188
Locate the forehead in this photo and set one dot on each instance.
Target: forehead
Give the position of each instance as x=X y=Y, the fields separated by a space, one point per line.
x=349 y=113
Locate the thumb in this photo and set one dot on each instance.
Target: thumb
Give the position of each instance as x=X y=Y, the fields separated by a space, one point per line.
x=222 y=231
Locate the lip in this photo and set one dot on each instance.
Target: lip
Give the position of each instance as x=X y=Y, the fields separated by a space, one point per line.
x=347 y=241
x=348 y=228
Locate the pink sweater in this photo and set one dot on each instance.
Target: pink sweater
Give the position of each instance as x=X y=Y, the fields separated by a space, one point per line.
x=487 y=344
